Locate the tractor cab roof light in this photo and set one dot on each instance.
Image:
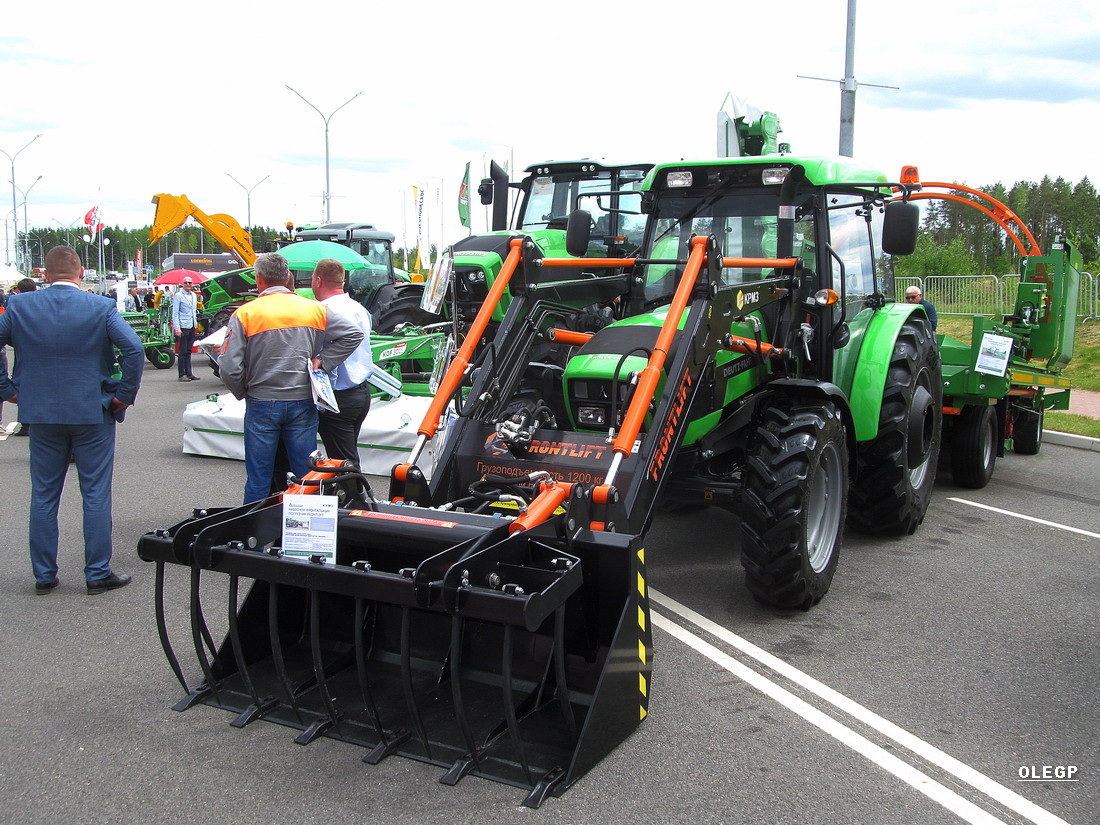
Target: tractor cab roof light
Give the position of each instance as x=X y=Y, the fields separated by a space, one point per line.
x=774 y=176
x=677 y=180
x=910 y=175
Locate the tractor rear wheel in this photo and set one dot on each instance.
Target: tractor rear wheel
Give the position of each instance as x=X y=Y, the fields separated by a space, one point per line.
x=895 y=471
x=1027 y=429
x=160 y=357
x=974 y=447
x=796 y=487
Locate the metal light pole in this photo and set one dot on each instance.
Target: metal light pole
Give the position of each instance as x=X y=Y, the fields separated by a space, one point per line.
x=848 y=86
x=248 y=195
x=26 y=223
x=14 y=209
x=328 y=190
x=67 y=228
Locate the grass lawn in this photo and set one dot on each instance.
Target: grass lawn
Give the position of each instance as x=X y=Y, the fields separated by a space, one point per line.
x=1064 y=422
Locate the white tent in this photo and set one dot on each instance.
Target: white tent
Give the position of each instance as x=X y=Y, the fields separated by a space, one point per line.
x=9 y=275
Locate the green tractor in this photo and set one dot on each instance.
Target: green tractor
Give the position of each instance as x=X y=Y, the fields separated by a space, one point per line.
x=494 y=619
x=547 y=194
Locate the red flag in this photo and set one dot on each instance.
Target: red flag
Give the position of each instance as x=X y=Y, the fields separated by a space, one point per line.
x=91 y=220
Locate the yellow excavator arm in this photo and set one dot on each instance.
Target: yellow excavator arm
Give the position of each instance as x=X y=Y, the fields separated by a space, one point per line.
x=174 y=210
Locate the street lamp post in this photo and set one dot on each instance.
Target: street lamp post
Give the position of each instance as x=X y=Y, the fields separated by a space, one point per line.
x=14 y=209
x=248 y=195
x=26 y=223
x=328 y=190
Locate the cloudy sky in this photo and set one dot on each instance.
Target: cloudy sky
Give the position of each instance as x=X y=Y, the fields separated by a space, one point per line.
x=133 y=99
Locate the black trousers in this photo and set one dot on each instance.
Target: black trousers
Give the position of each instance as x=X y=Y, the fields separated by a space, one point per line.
x=183 y=357
x=340 y=431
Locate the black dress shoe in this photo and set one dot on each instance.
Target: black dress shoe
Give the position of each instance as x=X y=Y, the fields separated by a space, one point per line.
x=41 y=589
x=112 y=582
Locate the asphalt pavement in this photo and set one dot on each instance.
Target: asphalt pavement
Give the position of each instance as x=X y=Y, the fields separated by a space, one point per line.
x=938 y=667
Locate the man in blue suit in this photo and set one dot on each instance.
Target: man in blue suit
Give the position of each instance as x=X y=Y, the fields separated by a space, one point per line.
x=64 y=339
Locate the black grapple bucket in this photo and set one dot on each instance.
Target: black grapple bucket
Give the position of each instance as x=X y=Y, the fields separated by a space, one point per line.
x=522 y=658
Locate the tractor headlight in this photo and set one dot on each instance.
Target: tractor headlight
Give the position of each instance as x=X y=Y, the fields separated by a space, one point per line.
x=592 y=416
x=775 y=176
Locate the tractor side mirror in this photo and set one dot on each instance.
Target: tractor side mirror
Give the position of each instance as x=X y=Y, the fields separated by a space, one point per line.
x=485 y=190
x=578 y=232
x=899 y=228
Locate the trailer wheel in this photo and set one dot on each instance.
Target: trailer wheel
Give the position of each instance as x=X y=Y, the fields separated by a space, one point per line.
x=974 y=447
x=1027 y=429
x=895 y=471
x=160 y=357
x=796 y=487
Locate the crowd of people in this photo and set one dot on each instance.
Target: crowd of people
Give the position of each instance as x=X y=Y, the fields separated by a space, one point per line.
x=71 y=405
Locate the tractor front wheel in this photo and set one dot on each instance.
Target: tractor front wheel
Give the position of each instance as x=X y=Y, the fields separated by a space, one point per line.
x=974 y=447
x=895 y=471
x=796 y=488
x=400 y=305
x=160 y=357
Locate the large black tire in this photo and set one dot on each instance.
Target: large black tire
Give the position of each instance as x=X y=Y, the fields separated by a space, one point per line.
x=402 y=307
x=796 y=488
x=896 y=470
x=161 y=357
x=974 y=447
x=1027 y=429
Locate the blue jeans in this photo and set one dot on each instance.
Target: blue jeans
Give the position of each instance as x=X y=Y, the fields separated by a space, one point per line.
x=265 y=423
x=93 y=446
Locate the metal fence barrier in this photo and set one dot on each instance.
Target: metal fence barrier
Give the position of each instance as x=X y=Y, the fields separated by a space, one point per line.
x=990 y=294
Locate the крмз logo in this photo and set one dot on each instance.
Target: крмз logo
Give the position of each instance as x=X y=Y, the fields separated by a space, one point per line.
x=1048 y=773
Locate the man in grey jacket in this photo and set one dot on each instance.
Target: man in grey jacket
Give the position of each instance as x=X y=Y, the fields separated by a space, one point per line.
x=271 y=344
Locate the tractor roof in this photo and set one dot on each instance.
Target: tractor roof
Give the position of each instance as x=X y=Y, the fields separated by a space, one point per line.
x=748 y=171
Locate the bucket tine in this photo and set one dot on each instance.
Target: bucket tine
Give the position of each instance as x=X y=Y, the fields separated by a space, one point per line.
x=277 y=649
x=162 y=627
x=510 y=704
x=386 y=745
x=463 y=766
x=559 y=671
x=333 y=720
x=200 y=636
x=259 y=706
x=406 y=678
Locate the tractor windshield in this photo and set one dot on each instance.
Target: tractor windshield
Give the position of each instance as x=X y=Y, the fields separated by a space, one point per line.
x=551 y=198
x=617 y=222
x=743 y=223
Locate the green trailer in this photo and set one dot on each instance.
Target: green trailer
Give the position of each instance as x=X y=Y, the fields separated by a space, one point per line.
x=998 y=386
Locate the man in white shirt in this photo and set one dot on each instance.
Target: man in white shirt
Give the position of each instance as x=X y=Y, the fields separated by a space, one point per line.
x=340 y=431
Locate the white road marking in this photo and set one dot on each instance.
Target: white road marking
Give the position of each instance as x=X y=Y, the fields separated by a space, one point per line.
x=922 y=782
x=1027 y=518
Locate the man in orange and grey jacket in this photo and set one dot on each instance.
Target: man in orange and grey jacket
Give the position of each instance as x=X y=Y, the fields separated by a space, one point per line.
x=271 y=344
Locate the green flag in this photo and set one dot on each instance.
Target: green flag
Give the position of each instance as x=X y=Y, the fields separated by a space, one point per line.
x=464 y=198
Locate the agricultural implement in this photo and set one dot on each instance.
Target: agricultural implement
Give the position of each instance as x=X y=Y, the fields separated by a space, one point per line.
x=997 y=387
x=154 y=330
x=495 y=621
